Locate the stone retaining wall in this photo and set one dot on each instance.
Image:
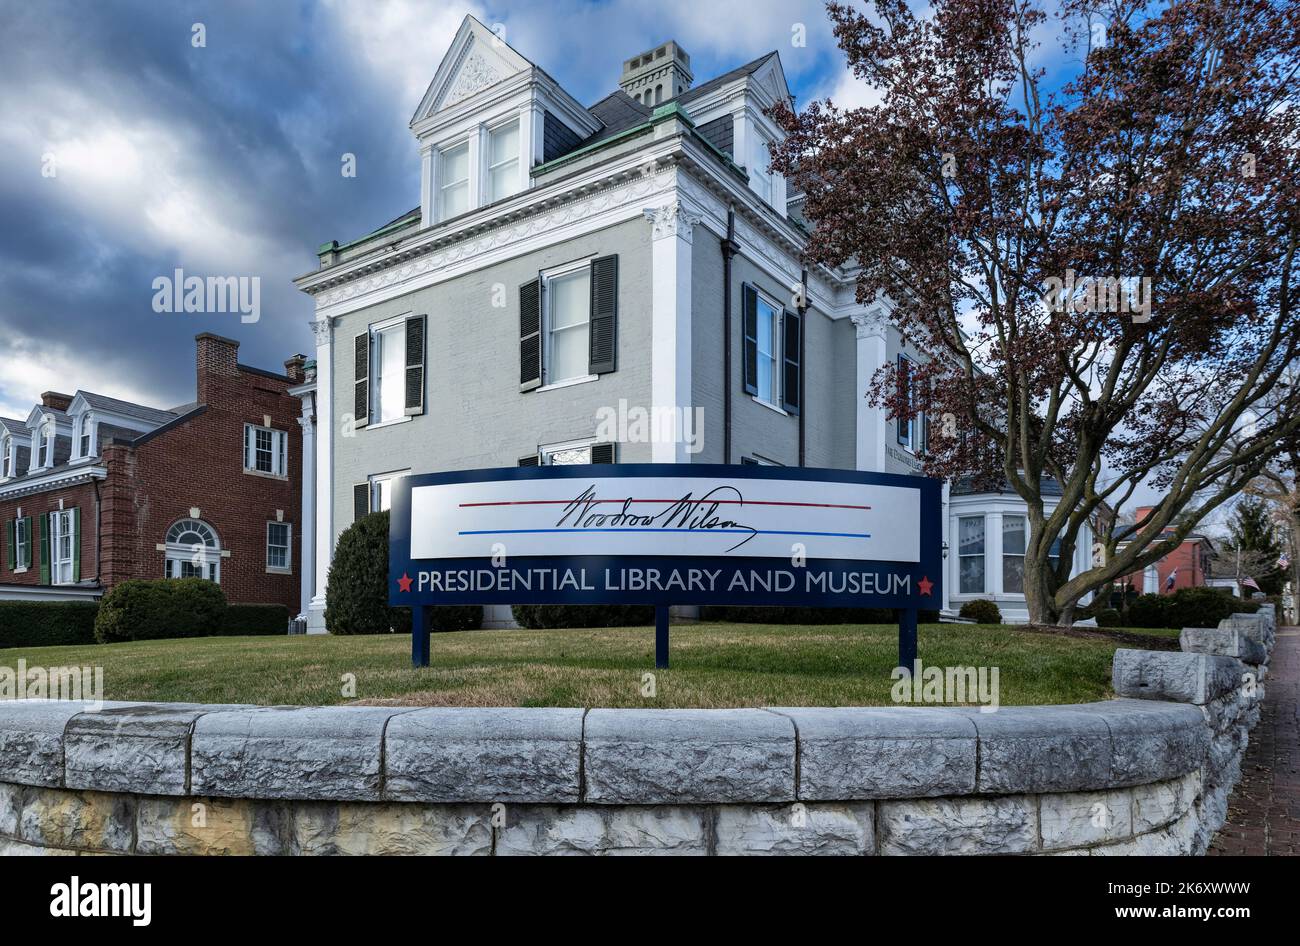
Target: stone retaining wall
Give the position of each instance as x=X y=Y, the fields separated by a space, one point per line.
x=1149 y=772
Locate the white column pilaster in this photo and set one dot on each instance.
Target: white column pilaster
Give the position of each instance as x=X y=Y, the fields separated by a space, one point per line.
x=993 y=554
x=670 y=303
x=872 y=422
x=950 y=553
x=307 y=523
x=428 y=189
x=325 y=424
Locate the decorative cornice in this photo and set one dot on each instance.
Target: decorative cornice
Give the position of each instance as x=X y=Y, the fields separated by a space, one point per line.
x=674 y=219
x=475 y=74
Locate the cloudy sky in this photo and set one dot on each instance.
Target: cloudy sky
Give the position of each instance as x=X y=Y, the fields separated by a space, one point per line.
x=127 y=152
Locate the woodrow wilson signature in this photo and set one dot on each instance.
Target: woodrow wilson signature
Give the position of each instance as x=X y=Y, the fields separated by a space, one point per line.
x=687 y=513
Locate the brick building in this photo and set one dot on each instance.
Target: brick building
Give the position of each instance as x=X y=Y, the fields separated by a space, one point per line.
x=1188 y=565
x=96 y=490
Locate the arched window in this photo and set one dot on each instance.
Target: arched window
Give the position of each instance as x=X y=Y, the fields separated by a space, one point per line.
x=6 y=466
x=84 y=428
x=193 y=551
x=659 y=94
x=45 y=445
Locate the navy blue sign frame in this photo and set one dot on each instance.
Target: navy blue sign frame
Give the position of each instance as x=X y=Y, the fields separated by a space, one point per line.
x=833 y=582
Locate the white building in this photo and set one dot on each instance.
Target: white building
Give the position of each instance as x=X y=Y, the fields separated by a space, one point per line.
x=568 y=261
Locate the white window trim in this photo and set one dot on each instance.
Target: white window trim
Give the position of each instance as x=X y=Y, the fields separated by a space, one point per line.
x=778 y=353
x=286 y=569
x=546 y=449
x=375 y=479
x=39 y=439
x=22 y=544
x=547 y=277
x=984 y=586
x=57 y=562
x=278 y=456
x=488 y=166
x=184 y=554
x=439 y=153
x=385 y=325
x=8 y=457
x=92 y=449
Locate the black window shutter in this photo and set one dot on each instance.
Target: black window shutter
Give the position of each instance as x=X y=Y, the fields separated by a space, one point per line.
x=360 y=500
x=604 y=315
x=749 y=308
x=530 y=335
x=904 y=399
x=415 y=335
x=534 y=460
x=602 y=453
x=11 y=528
x=45 y=550
x=792 y=330
x=361 y=378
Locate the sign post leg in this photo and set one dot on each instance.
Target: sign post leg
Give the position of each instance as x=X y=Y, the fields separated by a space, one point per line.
x=661 y=637
x=907 y=638
x=419 y=637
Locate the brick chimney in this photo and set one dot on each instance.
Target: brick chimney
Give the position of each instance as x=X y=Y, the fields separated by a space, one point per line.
x=293 y=367
x=216 y=357
x=60 y=402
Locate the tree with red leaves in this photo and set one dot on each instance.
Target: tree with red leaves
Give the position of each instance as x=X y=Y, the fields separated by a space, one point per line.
x=1099 y=271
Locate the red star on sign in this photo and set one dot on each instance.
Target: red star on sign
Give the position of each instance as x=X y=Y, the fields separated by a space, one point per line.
x=925 y=584
x=404 y=583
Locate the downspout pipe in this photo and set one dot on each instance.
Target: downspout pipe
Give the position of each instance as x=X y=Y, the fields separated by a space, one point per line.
x=803 y=365
x=729 y=249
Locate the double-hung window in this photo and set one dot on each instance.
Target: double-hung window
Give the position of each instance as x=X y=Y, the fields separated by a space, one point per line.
x=84 y=429
x=768 y=321
x=760 y=173
x=567 y=324
x=22 y=543
x=503 y=161
x=388 y=386
x=6 y=464
x=1013 y=554
x=265 y=450
x=453 y=178
x=911 y=422
x=970 y=554
x=278 y=535
x=63 y=543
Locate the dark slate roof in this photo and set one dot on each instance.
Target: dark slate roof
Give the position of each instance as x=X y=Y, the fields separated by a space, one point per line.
x=705 y=88
x=617 y=112
x=965 y=486
x=100 y=402
x=14 y=426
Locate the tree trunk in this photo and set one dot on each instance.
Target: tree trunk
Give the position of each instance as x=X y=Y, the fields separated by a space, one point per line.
x=1038 y=594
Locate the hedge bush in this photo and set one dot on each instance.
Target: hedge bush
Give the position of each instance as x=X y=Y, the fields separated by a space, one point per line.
x=151 y=609
x=356 y=590
x=1107 y=617
x=46 y=623
x=583 y=615
x=251 y=620
x=1148 y=610
x=981 y=611
x=1199 y=607
x=454 y=617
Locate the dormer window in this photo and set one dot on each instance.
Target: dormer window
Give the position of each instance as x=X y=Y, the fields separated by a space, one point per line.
x=454 y=175
x=6 y=457
x=503 y=161
x=44 y=446
x=85 y=432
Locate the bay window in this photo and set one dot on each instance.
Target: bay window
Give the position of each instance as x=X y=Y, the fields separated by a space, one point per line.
x=970 y=554
x=1014 y=536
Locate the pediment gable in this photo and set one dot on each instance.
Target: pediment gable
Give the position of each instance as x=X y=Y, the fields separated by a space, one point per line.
x=476 y=60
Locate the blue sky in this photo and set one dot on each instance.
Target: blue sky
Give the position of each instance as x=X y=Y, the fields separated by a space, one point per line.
x=225 y=160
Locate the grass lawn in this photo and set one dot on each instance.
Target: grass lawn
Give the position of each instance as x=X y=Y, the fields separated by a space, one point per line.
x=713 y=665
